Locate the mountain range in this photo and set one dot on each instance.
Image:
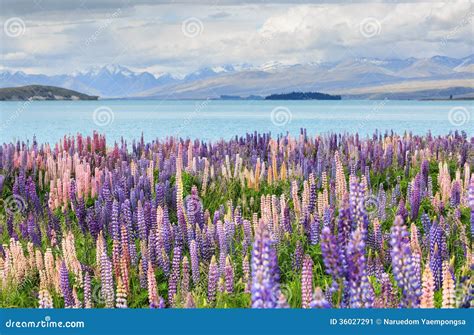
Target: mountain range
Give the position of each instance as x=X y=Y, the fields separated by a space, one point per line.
x=411 y=78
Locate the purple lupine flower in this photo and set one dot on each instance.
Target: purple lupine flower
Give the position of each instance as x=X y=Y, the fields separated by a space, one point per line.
x=10 y=230
x=181 y=237
x=33 y=230
x=471 y=204
x=2 y=182
x=151 y=251
x=114 y=221
x=388 y=297
x=221 y=234
x=403 y=266
x=87 y=291
x=213 y=277
x=415 y=198
x=143 y=271
x=401 y=210
x=174 y=277
x=160 y=195
x=142 y=228
x=165 y=262
x=455 y=193
x=107 y=288
x=436 y=259
x=229 y=276
x=319 y=300
x=360 y=290
x=314 y=231
x=331 y=255
x=81 y=214
x=65 y=287
x=265 y=271
x=247 y=235
x=297 y=259
x=307 y=281
x=194 y=262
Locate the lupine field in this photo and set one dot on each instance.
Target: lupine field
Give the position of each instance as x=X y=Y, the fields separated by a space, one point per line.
x=330 y=221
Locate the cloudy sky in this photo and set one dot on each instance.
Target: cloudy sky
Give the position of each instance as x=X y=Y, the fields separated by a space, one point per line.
x=46 y=36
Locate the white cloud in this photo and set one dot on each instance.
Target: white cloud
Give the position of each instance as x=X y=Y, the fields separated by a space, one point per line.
x=150 y=36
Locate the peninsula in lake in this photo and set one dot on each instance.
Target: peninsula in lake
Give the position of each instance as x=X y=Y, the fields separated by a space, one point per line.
x=41 y=92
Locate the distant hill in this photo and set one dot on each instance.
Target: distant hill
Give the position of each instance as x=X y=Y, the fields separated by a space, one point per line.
x=40 y=92
x=303 y=96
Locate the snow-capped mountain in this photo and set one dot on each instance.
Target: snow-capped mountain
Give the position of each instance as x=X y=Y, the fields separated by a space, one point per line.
x=108 y=81
x=359 y=77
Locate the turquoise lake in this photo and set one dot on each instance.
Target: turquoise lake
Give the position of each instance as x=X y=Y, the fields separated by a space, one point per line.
x=208 y=120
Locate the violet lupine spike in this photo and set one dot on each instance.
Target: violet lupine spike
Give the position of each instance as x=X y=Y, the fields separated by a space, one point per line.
x=401 y=210
x=415 y=198
x=87 y=291
x=106 y=277
x=194 y=262
x=247 y=242
x=319 y=300
x=229 y=276
x=2 y=182
x=213 y=277
x=165 y=263
x=265 y=272
x=436 y=259
x=175 y=274
x=388 y=297
x=66 y=290
x=360 y=290
x=142 y=228
x=314 y=231
x=403 y=266
x=307 y=282
x=455 y=198
x=297 y=259
x=331 y=256
x=471 y=203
